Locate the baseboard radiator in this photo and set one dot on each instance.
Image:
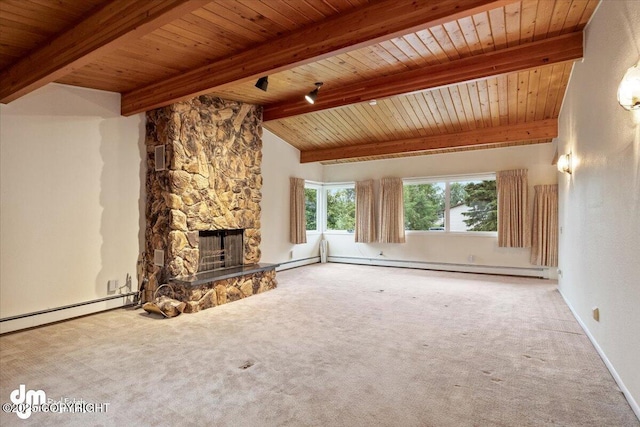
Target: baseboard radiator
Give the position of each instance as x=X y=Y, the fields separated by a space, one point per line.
x=540 y=272
x=57 y=314
x=297 y=263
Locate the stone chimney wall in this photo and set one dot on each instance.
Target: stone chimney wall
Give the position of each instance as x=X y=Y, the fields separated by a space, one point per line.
x=212 y=181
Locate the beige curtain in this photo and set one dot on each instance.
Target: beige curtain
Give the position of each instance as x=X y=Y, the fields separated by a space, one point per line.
x=391 y=211
x=365 y=215
x=544 y=236
x=297 y=218
x=513 y=216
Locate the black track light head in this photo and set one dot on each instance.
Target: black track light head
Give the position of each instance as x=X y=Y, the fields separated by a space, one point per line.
x=262 y=83
x=311 y=96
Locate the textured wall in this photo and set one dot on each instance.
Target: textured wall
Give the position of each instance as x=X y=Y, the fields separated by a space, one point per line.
x=600 y=202
x=212 y=181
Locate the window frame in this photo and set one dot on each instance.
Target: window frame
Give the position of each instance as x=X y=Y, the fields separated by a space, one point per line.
x=448 y=180
x=334 y=186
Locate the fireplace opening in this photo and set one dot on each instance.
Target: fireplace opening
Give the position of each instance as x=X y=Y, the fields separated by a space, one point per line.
x=220 y=249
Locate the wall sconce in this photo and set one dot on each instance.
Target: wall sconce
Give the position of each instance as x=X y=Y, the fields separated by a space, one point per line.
x=565 y=163
x=629 y=89
x=311 y=96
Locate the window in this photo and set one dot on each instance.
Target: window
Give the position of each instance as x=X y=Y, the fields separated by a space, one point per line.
x=424 y=206
x=311 y=208
x=458 y=204
x=341 y=208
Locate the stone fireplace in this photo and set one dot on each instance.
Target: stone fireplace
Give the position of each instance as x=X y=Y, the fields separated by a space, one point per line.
x=203 y=195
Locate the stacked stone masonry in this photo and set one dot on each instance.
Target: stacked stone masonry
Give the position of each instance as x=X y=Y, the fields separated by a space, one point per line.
x=212 y=294
x=213 y=181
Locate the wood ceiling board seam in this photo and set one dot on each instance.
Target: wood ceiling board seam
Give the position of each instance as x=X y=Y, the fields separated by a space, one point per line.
x=563 y=88
x=71 y=50
x=462 y=92
x=483 y=27
x=523 y=86
x=374 y=23
x=558 y=18
x=528 y=17
x=543 y=19
x=232 y=28
x=532 y=94
x=503 y=100
x=498 y=28
x=545 y=78
x=458 y=39
x=512 y=96
x=576 y=11
x=562 y=48
x=525 y=131
x=512 y=23
x=441 y=36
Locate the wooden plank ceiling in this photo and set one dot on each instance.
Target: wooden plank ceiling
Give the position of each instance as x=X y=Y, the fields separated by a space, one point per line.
x=445 y=76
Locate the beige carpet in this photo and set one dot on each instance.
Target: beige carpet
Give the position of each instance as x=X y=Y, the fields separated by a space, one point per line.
x=334 y=345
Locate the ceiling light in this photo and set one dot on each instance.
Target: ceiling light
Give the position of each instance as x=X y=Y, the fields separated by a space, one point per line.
x=262 y=83
x=565 y=163
x=629 y=89
x=311 y=96
x=373 y=102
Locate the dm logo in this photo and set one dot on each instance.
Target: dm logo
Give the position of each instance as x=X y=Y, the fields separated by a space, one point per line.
x=25 y=400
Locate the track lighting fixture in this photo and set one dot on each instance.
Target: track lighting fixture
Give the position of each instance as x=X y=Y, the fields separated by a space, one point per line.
x=311 y=96
x=262 y=83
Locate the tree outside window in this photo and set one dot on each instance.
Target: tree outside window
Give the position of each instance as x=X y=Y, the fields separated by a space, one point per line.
x=472 y=206
x=424 y=206
x=341 y=209
x=311 y=208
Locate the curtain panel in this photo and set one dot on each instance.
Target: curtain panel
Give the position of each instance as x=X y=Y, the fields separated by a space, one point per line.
x=513 y=216
x=365 y=212
x=544 y=235
x=297 y=217
x=391 y=211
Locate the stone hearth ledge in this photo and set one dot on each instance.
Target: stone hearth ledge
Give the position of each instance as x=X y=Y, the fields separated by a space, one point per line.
x=210 y=289
x=221 y=274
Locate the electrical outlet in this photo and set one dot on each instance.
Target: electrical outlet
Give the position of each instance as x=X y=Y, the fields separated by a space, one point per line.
x=471 y=258
x=596 y=314
x=113 y=285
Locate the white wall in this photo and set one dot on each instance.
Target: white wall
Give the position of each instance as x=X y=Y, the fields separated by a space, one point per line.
x=450 y=248
x=600 y=201
x=279 y=162
x=72 y=203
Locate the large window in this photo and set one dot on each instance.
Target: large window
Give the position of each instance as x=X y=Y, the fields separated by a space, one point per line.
x=341 y=208
x=461 y=204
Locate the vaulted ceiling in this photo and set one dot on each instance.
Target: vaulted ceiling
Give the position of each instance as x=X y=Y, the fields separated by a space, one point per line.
x=445 y=75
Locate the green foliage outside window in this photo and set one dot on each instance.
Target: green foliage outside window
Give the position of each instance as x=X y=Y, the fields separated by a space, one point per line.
x=341 y=209
x=424 y=206
x=311 y=208
x=483 y=203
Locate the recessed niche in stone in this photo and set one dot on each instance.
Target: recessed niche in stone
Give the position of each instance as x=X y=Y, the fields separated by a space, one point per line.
x=220 y=249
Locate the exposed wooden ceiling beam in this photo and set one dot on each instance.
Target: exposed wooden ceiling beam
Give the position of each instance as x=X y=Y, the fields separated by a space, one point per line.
x=364 y=26
x=541 y=129
x=518 y=58
x=112 y=25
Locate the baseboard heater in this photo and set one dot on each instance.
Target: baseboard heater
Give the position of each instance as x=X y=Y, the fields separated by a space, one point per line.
x=297 y=263
x=540 y=272
x=49 y=315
